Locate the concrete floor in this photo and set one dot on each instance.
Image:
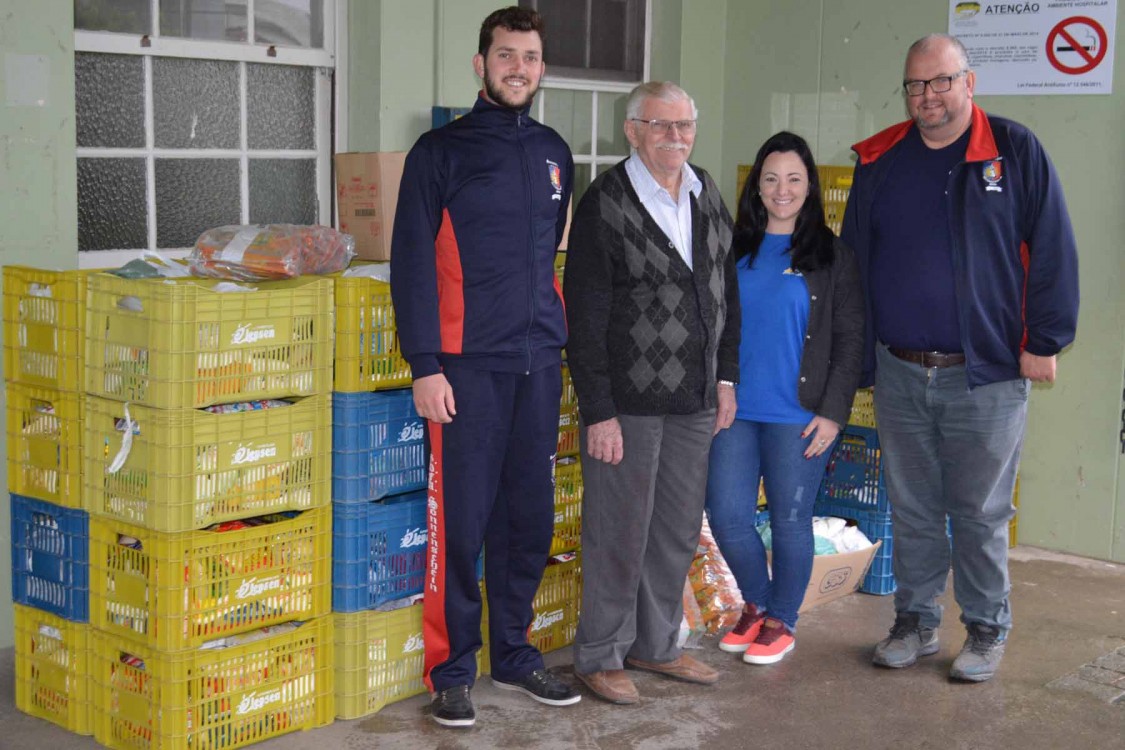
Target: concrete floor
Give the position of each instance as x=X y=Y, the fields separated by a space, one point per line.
x=1068 y=611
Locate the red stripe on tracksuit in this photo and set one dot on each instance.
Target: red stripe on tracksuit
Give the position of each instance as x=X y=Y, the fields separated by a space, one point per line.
x=451 y=287
x=434 y=631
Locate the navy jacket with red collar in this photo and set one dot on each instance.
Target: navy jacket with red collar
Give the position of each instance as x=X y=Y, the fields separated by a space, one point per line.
x=1015 y=262
x=481 y=211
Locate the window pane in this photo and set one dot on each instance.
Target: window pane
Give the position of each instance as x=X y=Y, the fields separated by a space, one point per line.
x=617 y=34
x=127 y=16
x=280 y=107
x=608 y=44
x=112 y=213
x=194 y=195
x=283 y=191
x=581 y=182
x=294 y=23
x=109 y=102
x=195 y=103
x=204 y=19
x=611 y=124
x=565 y=22
x=569 y=113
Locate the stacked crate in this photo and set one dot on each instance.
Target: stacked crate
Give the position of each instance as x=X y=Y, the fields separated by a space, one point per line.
x=44 y=320
x=206 y=466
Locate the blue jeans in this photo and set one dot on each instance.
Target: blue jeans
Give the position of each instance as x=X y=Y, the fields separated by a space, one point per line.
x=948 y=450
x=740 y=456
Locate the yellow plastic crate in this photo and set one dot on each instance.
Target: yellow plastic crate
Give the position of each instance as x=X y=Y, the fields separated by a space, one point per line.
x=368 y=357
x=52 y=668
x=379 y=658
x=45 y=444
x=568 y=417
x=863 y=408
x=212 y=699
x=568 y=506
x=187 y=469
x=557 y=602
x=835 y=182
x=45 y=327
x=177 y=343
x=178 y=591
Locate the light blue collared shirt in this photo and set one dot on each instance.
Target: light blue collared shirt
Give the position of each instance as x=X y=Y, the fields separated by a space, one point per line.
x=672 y=216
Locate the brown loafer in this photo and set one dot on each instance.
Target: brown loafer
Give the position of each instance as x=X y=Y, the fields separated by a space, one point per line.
x=683 y=668
x=612 y=685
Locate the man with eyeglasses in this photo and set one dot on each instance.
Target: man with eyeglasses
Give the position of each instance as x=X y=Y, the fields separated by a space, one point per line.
x=966 y=249
x=653 y=312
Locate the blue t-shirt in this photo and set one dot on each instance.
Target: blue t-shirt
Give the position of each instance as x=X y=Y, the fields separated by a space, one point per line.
x=775 y=314
x=913 y=298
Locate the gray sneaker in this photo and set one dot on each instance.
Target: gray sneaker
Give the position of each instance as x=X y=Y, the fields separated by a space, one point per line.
x=980 y=656
x=908 y=640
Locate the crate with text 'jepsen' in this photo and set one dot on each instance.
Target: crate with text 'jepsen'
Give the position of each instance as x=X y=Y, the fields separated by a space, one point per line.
x=233 y=693
x=568 y=505
x=52 y=668
x=178 y=591
x=854 y=476
x=556 y=605
x=45 y=443
x=568 y=416
x=45 y=327
x=368 y=356
x=179 y=343
x=378 y=446
x=177 y=470
x=51 y=557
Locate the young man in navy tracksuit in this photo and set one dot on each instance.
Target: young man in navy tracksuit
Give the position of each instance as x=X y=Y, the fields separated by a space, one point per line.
x=481 y=212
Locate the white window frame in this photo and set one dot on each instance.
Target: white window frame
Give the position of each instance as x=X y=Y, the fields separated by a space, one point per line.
x=595 y=87
x=323 y=61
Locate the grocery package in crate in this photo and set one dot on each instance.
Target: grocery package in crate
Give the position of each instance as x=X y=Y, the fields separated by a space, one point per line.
x=51 y=557
x=267 y=683
x=367 y=349
x=177 y=343
x=854 y=476
x=258 y=252
x=45 y=443
x=568 y=417
x=378 y=551
x=45 y=327
x=52 y=668
x=877 y=527
x=177 y=591
x=568 y=505
x=557 y=602
x=379 y=658
x=378 y=446
x=184 y=469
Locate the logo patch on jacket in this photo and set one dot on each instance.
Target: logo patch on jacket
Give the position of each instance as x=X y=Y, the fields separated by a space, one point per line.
x=993 y=172
x=555 y=175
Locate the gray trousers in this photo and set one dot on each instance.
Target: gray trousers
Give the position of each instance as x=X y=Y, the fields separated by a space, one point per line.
x=640 y=529
x=948 y=450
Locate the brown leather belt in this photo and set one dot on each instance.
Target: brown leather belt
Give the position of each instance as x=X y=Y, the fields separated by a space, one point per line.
x=928 y=359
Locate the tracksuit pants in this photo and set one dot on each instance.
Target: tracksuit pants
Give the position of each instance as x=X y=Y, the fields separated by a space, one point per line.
x=491 y=483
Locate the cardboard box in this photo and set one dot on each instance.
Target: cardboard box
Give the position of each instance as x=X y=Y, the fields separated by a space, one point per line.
x=366 y=196
x=834 y=576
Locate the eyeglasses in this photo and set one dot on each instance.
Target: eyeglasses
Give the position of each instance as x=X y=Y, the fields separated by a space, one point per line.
x=938 y=85
x=664 y=127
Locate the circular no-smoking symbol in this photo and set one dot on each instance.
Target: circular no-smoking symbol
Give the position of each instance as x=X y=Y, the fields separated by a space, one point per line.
x=1076 y=45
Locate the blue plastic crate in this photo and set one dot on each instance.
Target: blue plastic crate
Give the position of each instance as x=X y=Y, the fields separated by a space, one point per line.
x=875 y=526
x=444 y=115
x=378 y=446
x=378 y=551
x=51 y=557
x=854 y=476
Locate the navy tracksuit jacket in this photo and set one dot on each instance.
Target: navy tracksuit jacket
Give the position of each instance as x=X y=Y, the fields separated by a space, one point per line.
x=481 y=211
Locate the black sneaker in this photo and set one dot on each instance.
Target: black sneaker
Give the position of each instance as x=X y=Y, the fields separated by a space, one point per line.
x=452 y=707
x=543 y=687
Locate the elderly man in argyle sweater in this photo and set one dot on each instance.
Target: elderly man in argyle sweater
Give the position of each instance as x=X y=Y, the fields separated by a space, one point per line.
x=653 y=315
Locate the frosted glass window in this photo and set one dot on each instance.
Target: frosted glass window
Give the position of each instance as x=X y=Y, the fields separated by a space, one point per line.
x=569 y=112
x=125 y=16
x=195 y=103
x=280 y=107
x=112 y=211
x=283 y=191
x=109 y=100
x=293 y=23
x=223 y=20
x=595 y=40
x=611 y=124
x=194 y=195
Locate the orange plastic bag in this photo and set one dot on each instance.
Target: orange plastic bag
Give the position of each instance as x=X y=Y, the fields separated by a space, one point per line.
x=270 y=251
x=716 y=591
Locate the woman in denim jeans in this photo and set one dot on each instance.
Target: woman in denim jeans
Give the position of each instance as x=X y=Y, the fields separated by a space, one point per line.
x=800 y=360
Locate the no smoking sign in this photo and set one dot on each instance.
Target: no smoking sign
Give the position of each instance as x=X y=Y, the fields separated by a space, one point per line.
x=1076 y=45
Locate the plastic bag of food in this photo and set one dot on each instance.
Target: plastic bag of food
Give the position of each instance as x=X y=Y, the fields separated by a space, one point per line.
x=270 y=251
x=692 y=627
x=716 y=591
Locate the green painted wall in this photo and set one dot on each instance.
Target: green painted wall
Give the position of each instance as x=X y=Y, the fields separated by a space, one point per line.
x=703 y=66
x=831 y=72
x=38 y=212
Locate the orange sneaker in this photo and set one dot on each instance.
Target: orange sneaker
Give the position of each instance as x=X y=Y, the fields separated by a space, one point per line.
x=745 y=631
x=774 y=641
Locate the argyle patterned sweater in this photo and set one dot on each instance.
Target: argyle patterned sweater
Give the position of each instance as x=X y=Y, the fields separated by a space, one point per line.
x=647 y=335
